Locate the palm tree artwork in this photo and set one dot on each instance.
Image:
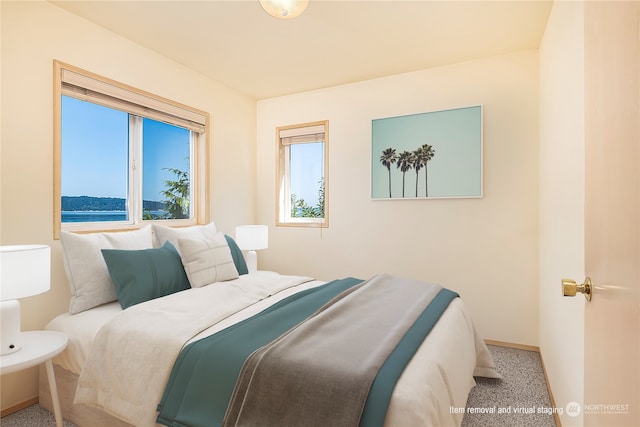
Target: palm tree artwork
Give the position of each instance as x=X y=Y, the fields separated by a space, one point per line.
x=437 y=154
x=418 y=163
x=405 y=161
x=426 y=153
x=388 y=158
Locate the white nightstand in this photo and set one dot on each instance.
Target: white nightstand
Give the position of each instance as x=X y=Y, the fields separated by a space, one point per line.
x=38 y=347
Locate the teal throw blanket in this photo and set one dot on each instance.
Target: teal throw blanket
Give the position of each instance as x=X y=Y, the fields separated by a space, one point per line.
x=204 y=376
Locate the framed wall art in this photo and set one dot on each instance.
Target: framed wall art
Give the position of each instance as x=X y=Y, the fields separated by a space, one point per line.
x=429 y=155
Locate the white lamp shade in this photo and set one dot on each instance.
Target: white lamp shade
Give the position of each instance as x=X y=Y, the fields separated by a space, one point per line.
x=252 y=237
x=25 y=270
x=284 y=9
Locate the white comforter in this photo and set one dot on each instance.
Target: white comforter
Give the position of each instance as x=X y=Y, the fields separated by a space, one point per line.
x=132 y=355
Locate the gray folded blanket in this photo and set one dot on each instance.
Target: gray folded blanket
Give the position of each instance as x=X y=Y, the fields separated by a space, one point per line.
x=322 y=370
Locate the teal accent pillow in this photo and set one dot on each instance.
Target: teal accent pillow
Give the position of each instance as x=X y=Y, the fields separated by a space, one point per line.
x=238 y=257
x=145 y=274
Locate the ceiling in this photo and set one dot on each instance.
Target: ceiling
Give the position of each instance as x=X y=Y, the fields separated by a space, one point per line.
x=334 y=42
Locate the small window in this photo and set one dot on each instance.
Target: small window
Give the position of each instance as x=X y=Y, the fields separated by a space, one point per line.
x=302 y=175
x=126 y=157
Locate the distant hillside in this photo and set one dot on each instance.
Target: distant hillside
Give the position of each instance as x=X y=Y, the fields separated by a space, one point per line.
x=89 y=203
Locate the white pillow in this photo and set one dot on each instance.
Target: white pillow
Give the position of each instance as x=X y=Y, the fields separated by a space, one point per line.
x=207 y=261
x=170 y=234
x=86 y=270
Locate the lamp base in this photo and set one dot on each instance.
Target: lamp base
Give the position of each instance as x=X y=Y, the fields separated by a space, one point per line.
x=9 y=327
x=252 y=261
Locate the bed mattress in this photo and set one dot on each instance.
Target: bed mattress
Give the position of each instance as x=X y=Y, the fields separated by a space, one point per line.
x=439 y=376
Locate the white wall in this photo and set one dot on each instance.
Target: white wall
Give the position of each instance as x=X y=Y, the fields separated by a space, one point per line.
x=33 y=34
x=562 y=180
x=486 y=249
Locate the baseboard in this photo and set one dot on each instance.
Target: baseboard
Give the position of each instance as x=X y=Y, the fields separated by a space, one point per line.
x=19 y=407
x=513 y=345
x=556 y=417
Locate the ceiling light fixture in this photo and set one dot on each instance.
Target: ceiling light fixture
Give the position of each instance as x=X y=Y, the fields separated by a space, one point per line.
x=284 y=9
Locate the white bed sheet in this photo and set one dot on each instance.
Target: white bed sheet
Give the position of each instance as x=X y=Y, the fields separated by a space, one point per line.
x=438 y=378
x=81 y=329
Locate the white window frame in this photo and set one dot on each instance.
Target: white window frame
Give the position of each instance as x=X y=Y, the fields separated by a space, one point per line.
x=285 y=137
x=75 y=82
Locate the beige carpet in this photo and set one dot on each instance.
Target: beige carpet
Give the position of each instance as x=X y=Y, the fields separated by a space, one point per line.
x=519 y=399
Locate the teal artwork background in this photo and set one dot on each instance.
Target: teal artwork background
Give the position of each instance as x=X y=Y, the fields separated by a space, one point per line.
x=456 y=167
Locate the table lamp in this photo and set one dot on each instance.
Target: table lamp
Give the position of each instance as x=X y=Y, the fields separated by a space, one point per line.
x=252 y=238
x=25 y=270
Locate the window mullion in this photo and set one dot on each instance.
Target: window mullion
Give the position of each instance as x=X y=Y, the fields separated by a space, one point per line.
x=134 y=199
x=193 y=173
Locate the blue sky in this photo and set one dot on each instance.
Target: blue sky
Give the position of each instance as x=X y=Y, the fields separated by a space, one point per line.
x=166 y=146
x=95 y=151
x=306 y=171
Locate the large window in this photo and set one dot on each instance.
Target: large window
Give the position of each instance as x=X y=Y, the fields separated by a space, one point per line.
x=302 y=175
x=124 y=157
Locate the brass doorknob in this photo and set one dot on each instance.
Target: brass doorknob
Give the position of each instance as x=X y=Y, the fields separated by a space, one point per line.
x=570 y=288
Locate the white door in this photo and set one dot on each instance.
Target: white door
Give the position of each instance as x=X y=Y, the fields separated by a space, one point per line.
x=612 y=213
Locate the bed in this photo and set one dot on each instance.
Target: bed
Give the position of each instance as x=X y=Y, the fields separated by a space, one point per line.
x=124 y=342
